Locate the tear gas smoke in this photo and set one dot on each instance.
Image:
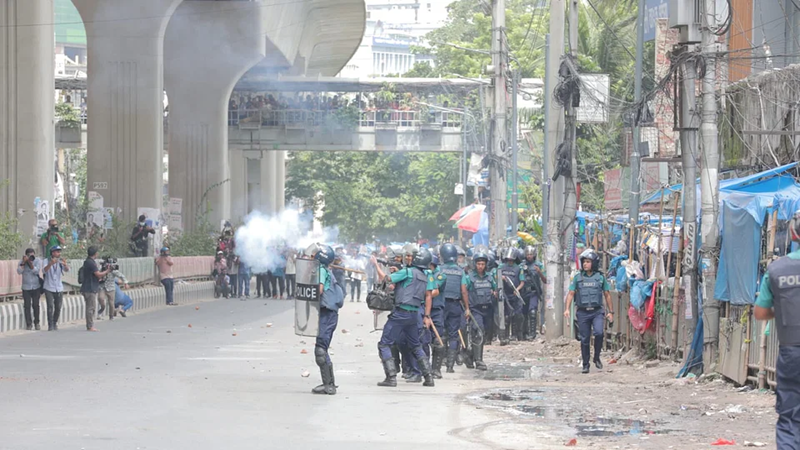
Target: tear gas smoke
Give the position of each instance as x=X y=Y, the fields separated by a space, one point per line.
x=262 y=238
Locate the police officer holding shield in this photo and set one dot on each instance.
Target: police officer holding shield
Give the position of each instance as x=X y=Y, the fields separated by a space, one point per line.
x=455 y=290
x=779 y=298
x=332 y=298
x=589 y=288
x=411 y=294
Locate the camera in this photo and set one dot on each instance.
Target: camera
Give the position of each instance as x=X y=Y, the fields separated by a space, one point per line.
x=32 y=258
x=111 y=263
x=54 y=228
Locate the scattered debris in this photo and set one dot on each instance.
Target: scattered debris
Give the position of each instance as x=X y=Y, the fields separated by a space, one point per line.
x=721 y=441
x=233 y=334
x=269 y=325
x=303 y=352
x=190 y=325
x=754 y=444
x=197 y=308
x=651 y=364
x=571 y=443
x=345 y=331
x=169 y=331
x=305 y=374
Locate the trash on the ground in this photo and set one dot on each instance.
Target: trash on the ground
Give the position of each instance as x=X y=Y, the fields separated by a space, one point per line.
x=196 y=308
x=190 y=325
x=571 y=443
x=169 y=331
x=305 y=374
x=233 y=334
x=754 y=444
x=269 y=325
x=303 y=352
x=345 y=331
x=722 y=441
x=360 y=344
x=735 y=409
x=303 y=342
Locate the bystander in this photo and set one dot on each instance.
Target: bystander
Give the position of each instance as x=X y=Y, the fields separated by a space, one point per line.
x=90 y=285
x=291 y=273
x=53 y=287
x=52 y=237
x=139 y=237
x=31 y=268
x=108 y=288
x=244 y=280
x=164 y=264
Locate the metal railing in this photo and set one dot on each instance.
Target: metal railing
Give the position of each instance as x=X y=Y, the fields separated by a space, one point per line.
x=254 y=118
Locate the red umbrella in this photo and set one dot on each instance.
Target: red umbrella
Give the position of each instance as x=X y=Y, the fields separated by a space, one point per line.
x=471 y=220
x=465 y=210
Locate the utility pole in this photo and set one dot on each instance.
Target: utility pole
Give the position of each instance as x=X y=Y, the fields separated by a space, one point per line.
x=554 y=117
x=709 y=185
x=688 y=128
x=499 y=142
x=636 y=161
x=514 y=155
x=545 y=185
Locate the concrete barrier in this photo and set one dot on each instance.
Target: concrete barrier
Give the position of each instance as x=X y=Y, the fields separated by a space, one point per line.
x=73 y=309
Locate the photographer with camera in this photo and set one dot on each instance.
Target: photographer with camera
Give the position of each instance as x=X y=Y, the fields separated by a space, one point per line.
x=31 y=269
x=108 y=287
x=53 y=287
x=139 y=237
x=52 y=237
x=164 y=264
x=90 y=277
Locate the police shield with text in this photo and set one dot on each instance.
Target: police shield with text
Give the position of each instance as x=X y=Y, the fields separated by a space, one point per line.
x=779 y=298
x=589 y=288
x=455 y=290
x=411 y=294
x=332 y=299
x=481 y=288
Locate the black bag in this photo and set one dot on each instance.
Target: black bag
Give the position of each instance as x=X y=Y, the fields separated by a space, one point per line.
x=380 y=298
x=81 y=276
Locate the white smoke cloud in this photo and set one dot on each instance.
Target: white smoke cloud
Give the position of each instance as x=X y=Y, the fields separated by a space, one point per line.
x=262 y=238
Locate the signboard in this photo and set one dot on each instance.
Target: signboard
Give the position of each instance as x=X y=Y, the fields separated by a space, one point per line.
x=594 y=98
x=307 y=297
x=388 y=42
x=654 y=10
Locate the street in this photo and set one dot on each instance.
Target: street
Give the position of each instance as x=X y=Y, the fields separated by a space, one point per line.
x=228 y=374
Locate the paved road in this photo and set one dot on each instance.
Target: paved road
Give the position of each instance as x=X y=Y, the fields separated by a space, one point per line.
x=227 y=382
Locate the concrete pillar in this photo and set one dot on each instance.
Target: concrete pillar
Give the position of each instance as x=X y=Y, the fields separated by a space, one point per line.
x=208 y=47
x=125 y=87
x=267 y=203
x=27 y=159
x=280 y=181
x=239 y=179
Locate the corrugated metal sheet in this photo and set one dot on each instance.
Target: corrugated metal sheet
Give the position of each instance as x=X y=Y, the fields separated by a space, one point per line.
x=740 y=40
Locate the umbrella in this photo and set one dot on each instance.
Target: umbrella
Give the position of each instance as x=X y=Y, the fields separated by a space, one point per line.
x=471 y=221
x=466 y=210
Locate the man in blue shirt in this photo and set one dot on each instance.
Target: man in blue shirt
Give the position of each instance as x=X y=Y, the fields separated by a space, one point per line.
x=411 y=294
x=590 y=287
x=331 y=299
x=53 y=288
x=31 y=268
x=779 y=298
x=91 y=285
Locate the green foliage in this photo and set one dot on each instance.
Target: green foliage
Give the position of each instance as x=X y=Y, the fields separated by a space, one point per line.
x=10 y=238
x=386 y=195
x=346 y=117
x=67 y=116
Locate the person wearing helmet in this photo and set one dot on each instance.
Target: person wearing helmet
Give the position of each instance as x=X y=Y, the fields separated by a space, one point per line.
x=513 y=281
x=331 y=299
x=590 y=288
x=534 y=291
x=436 y=281
x=481 y=289
x=779 y=298
x=455 y=290
x=462 y=258
x=411 y=294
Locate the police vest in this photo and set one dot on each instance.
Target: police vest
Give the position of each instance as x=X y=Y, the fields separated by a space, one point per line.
x=452 y=285
x=533 y=283
x=589 y=290
x=413 y=293
x=784 y=282
x=481 y=291
x=510 y=273
x=438 y=301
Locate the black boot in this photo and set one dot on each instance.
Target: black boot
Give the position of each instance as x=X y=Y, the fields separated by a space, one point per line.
x=413 y=378
x=477 y=353
x=503 y=334
x=390 y=369
x=425 y=367
x=451 y=359
x=585 y=368
x=328 y=386
x=396 y=358
x=598 y=345
x=532 y=325
x=585 y=355
x=438 y=357
x=518 y=328
x=466 y=356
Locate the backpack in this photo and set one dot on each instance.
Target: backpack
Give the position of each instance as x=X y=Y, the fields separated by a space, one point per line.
x=80 y=275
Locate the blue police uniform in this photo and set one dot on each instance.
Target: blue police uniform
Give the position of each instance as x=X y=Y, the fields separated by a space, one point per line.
x=512 y=273
x=780 y=289
x=533 y=294
x=481 y=305
x=590 y=315
x=454 y=278
x=332 y=299
x=410 y=287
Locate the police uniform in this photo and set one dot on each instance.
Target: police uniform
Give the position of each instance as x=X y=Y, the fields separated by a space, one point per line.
x=513 y=311
x=410 y=287
x=331 y=300
x=532 y=293
x=453 y=309
x=481 y=305
x=590 y=315
x=780 y=289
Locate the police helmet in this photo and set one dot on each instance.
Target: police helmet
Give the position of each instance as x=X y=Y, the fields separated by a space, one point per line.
x=325 y=255
x=410 y=249
x=435 y=260
x=592 y=256
x=530 y=250
x=422 y=259
x=794 y=227
x=390 y=254
x=509 y=254
x=480 y=256
x=448 y=253
x=460 y=251
x=492 y=263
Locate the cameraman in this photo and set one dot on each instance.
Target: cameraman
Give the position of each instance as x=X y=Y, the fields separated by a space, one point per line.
x=52 y=237
x=108 y=287
x=164 y=264
x=139 y=237
x=53 y=287
x=31 y=268
x=90 y=288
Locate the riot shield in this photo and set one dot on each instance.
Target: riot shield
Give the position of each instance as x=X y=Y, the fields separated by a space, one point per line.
x=306 y=303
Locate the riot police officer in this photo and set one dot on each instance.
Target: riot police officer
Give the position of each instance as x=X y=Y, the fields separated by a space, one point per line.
x=331 y=300
x=590 y=288
x=481 y=288
x=534 y=291
x=512 y=278
x=436 y=281
x=411 y=294
x=455 y=290
x=779 y=298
